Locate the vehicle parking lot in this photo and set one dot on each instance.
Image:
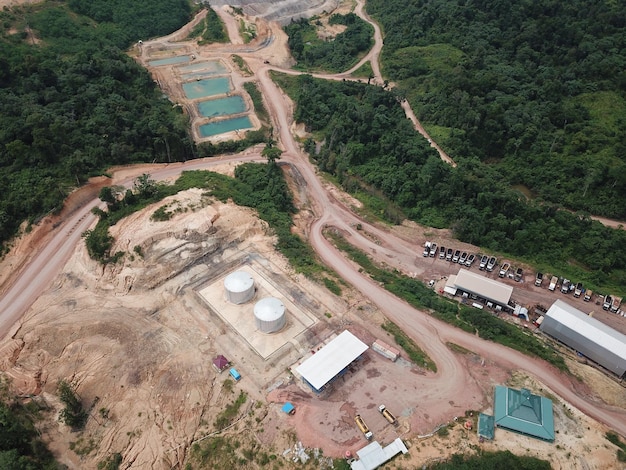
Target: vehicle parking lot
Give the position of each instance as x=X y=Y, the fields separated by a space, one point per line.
x=531 y=290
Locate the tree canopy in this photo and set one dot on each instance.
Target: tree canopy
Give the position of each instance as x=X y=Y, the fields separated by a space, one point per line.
x=73 y=103
x=536 y=90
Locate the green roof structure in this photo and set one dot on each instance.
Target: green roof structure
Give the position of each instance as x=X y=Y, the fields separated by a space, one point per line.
x=522 y=412
x=486 y=426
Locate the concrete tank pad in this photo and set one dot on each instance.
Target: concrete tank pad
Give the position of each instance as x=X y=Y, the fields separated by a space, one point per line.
x=241 y=317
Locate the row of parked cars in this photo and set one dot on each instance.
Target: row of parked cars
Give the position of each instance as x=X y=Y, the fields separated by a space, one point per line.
x=456 y=256
x=610 y=303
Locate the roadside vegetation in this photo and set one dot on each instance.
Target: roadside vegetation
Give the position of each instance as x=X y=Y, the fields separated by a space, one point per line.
x=613 y=438
x=414 y=352
x=531 y=94
x=335 y=55
x=488 y=326
x=210 y=29
x=361 y=136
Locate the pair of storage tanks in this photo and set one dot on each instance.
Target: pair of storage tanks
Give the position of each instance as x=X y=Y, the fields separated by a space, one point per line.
x=269 y=312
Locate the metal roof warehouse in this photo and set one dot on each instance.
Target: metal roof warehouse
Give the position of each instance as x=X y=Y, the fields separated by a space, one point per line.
x=331 y=361
x=592 y=338
x=481 y=286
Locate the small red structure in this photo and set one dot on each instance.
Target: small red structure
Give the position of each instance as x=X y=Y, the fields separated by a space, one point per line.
x=220 y=363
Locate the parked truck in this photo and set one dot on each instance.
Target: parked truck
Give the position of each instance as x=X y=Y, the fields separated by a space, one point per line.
x=578 y=290
x=492 y=263
x=588 y=295
x=363 y=427
x=565 y=286
x=553 y=282
x=504 y=269
x=426 y=249
x=433 y=249
x=538 y=279
x=387 y=414
x=617 y=301
x=606 y=304
x=519 y=274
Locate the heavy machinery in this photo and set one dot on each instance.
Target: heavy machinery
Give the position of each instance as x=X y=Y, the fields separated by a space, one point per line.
x=388 y=415
x=363 y=427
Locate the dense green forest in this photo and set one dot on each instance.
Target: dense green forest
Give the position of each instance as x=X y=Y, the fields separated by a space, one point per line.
x=372 y=149
x=73 y=103
x=20 y=445
x=491 y=461
x=536 y=90
x=334 y=55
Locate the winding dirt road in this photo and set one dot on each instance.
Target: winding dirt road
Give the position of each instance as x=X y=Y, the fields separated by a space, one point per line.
x=428 y=332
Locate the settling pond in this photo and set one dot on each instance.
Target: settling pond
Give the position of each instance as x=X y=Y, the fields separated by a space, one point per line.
x=207 y=87
x=227 y=125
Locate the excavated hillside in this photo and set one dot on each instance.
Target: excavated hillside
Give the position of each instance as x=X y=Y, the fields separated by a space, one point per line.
x=282 y=11
x=132 y=337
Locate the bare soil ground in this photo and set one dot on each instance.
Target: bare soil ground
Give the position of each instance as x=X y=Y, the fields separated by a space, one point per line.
x=137 y=342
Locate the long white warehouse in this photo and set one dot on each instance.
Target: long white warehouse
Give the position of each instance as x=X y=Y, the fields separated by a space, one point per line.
x=592 y=338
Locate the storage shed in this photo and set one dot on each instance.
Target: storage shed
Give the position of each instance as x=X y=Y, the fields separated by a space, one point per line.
x=331 y=361
x=590 y=337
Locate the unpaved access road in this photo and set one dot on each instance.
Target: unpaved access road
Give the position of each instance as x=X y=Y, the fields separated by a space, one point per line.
x=429 y=333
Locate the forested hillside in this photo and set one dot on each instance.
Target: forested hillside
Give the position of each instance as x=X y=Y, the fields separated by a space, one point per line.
x=537 y=90
x=336 y=55
x=73 y=103
x=373 y=150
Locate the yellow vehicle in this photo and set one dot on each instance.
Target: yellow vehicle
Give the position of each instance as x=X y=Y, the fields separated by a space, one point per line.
x=363 y=427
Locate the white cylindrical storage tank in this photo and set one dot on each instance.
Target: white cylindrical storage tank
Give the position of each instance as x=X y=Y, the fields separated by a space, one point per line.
x=269 y=315
x=239 y=287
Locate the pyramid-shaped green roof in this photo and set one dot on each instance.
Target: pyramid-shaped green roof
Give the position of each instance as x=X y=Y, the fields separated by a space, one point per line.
x=521 y=411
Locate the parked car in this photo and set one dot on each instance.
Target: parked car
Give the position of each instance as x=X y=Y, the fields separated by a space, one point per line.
x=608 y=300
x=565 y=286
x=470 y=260
x=463 y=258
x=519 y=274
x=492 y=263
x=538 y=279
x=442 y=252
x=483 y=262
x=433 y=249
x=449 y=254
x=457 y=255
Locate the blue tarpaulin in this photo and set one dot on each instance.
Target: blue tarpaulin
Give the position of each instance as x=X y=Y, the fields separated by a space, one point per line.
x=288 y=408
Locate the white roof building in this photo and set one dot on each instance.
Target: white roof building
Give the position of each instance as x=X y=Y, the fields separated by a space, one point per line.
x=331 y=360
x=373 y=455
x=481 y=286
x=587 y=335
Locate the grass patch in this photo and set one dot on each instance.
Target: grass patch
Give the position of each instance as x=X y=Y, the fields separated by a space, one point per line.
x=243 y=67
x=364 y=71
x=458 y=349
x=413 y=350
x=613 y=438
x=257 y=101
x=226 y=417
